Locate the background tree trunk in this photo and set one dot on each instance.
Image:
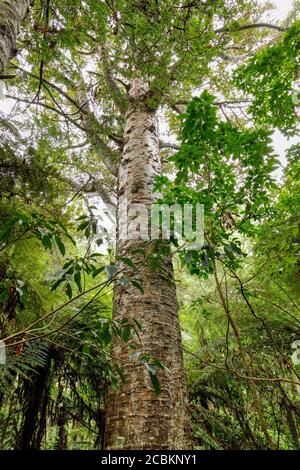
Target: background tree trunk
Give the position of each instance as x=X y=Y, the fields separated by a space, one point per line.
x=12 y=12
x=136 y=417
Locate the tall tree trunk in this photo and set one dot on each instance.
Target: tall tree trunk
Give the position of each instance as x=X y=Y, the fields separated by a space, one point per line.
x=12 y=12
x=136 y=417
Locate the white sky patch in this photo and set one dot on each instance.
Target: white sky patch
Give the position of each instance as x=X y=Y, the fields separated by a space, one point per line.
x=281 y=144
x=5 y=104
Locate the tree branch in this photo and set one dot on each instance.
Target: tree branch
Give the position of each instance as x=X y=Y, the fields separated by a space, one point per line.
x=46 y=106
x=7 y=76
x=92 y=186
x=91 y=128
x=90 y=124
x=229 y=102
x=54 y=86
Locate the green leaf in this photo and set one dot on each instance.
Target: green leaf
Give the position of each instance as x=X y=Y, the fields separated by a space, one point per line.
x=68 y=263
x=137 y=284
x=77 y=279
x=127 y=261
x=83 y=225
x=94 y=227
x=86 y=350
x=155 y=383
x=57 y=283
x=98 y=271
x=87 y=232
x=4 y=296
x=126 y=333
x=121 y=373
x=105 y=335
x=46 y=241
